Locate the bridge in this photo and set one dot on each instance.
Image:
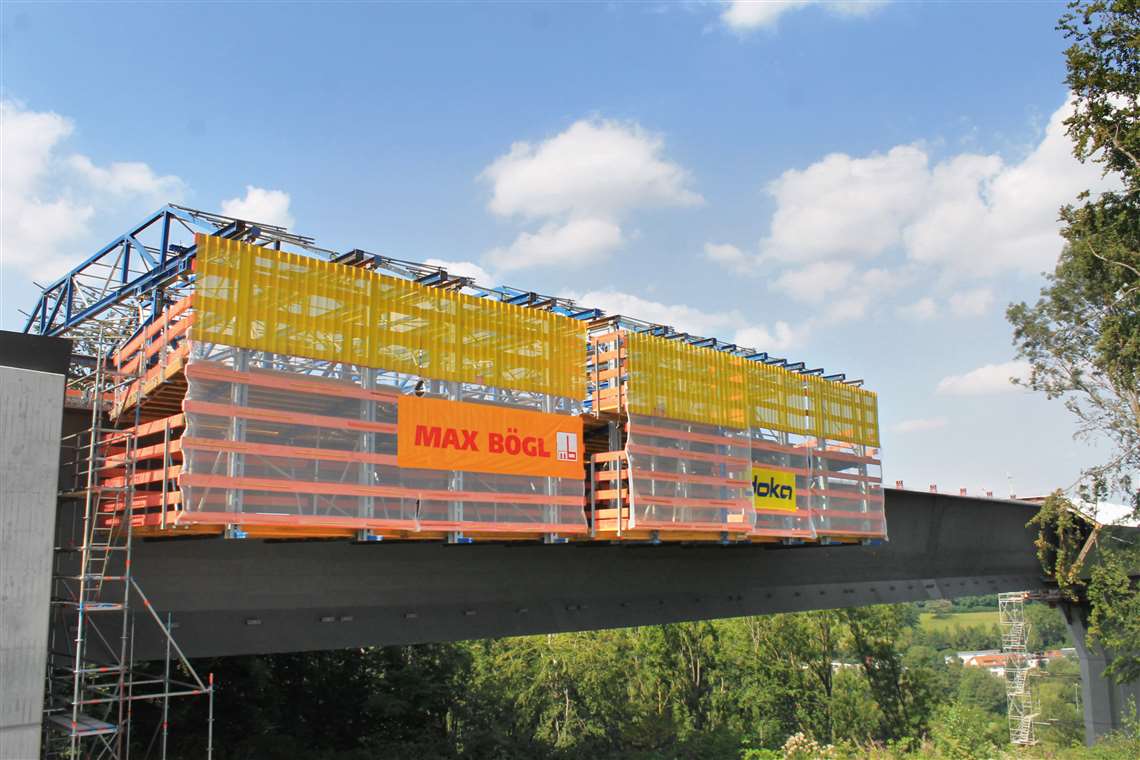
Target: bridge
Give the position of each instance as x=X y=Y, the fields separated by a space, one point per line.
x=282 y=453
x=250 y=596
x=254 y=596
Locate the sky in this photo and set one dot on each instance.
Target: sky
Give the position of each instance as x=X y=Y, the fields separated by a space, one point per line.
x=861 y=186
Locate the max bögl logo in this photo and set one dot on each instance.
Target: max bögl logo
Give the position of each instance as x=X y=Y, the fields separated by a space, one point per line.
x=439 y=434
x=566 y=446
x=773 y=489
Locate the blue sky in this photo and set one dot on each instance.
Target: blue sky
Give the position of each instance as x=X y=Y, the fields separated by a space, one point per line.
x=861 y=186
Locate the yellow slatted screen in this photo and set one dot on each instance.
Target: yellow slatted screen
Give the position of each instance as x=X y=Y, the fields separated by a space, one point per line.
x=776 y=399
x=267 y=300
x=868 y=417
x=671 y=378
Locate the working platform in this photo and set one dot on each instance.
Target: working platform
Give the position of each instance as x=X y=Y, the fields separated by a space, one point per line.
x=276 y=394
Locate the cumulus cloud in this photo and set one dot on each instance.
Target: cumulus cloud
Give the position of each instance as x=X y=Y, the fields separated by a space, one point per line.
x=581 y=184
x=728 y=256
x=984 y=381
x=921 y=310
x=816 y=281
x=126 y=178
x=464 y=269
x=729 y=325
x=51 y=196
x=260 y=205
x=749 y=15
x=573 y=244
x=920 y=425
x=969 y=215
x=844 y=206
x=971 y=303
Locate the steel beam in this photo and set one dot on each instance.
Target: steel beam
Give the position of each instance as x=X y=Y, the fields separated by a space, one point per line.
x=241 y=596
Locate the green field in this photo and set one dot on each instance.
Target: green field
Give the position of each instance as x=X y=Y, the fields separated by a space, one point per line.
x=960 y=619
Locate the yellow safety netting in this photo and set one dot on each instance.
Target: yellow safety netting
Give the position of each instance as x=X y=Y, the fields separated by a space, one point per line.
x=670 y=378
x=267 y=300
x=776 y=399
x=674 y=379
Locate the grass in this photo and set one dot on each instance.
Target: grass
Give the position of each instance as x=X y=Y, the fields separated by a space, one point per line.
x=961 y=619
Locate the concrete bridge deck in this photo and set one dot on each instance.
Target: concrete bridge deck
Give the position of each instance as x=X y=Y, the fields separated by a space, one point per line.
x=240 y=596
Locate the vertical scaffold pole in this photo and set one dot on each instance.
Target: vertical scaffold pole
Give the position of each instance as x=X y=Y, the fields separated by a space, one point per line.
x=166 y=690
x=210 y=723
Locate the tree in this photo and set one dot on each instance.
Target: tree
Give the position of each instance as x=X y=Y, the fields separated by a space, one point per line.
x=1046 y=627
x=982 y=689
x=964 y=732
x=1082 y=338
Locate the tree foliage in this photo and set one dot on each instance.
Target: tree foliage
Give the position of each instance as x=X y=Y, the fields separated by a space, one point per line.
x=1082 y=338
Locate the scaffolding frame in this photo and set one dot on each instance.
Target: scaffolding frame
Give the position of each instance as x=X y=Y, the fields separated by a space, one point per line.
x=92 y=681
x=1021 y=707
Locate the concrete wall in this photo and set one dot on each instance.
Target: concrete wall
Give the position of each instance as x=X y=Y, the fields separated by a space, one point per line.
x=31 y=404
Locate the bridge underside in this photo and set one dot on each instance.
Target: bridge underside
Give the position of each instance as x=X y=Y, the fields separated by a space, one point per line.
x=232 y=597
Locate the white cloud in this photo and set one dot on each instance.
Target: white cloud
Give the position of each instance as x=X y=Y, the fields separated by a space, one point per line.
x=921 y=310
x=920 y=425
x=728 y=256
x=970 y=215
x=464 y=269
x=581 y=184
x=50 y=198
x=260 y=205
x=850 y=308
x=574 y=244
x=126 y=178
x=779 y=337
x=983 y=381
x=971 y=303
x=748 y=15
x=816 y=281
x=729 y=325
x=839 y=292
x=844 y=206
x=594 y=168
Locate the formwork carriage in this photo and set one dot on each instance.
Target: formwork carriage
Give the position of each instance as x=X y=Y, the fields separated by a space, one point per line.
x=710 y=444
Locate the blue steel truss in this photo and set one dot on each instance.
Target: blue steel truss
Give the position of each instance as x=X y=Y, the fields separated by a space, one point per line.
x=138 y=273
x=139 y=265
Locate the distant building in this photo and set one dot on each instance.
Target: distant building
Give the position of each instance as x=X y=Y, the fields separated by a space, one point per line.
x=993 y=662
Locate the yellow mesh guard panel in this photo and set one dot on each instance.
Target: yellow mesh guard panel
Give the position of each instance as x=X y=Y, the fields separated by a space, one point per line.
x=775 y=398
x=868 y=402
x=670 y=378
x=285 y=303
x=676 y=380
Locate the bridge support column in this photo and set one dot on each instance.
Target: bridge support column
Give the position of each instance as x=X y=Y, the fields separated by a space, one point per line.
x=1105 y=701
x=32 y=373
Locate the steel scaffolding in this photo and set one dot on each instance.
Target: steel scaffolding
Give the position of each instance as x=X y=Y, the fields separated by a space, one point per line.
x=1021 y=707
x=92 y=681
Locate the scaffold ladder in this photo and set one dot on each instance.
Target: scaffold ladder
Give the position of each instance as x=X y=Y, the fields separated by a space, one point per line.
x=92 y=682
x=1021 y=710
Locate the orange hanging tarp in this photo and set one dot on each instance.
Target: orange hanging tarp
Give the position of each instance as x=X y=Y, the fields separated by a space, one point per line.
x=437 y=434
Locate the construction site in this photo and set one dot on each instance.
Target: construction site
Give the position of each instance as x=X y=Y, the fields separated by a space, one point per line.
x=232 y=380
x=268 y=388
x=240 y=381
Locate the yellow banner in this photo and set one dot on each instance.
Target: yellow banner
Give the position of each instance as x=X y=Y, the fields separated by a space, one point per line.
x=437 y=434
x=773 y=489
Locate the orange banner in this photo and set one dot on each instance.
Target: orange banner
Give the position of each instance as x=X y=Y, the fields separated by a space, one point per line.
x=437 y=434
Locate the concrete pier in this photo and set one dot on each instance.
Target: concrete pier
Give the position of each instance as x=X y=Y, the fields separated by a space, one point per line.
x=31 y=406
